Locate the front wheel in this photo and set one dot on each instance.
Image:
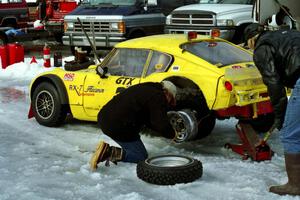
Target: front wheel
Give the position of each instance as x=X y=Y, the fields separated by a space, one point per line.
x=47 y=107
x=169 y=169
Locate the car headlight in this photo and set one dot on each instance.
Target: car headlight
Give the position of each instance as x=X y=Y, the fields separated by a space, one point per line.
x=225 y=22
x=168 y=20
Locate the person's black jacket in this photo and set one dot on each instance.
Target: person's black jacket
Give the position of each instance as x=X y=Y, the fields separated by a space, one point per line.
x=123 y=117
x=277 y=56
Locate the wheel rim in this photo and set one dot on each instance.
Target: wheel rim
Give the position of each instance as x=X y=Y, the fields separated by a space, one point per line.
x=185 y=123
x=169 y=161
x=44 y=104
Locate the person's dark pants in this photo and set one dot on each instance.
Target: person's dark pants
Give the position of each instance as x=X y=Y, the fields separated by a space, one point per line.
x=134 y=151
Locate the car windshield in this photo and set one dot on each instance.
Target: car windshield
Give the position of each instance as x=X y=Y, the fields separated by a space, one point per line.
x=111 y=2
x=227 y=1
x=218 y=53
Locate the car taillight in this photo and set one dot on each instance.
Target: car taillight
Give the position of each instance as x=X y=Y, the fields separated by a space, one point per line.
x=228 y=86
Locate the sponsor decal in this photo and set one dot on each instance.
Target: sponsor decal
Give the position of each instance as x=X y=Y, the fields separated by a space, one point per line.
x=90 y=91
x=124 y=81
x=175 y=68
x=69 y=76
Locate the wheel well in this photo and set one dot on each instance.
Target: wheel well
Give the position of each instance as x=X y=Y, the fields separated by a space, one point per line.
x=136 y=33
x=189 y=95
x=56 y=82
x=238 y=37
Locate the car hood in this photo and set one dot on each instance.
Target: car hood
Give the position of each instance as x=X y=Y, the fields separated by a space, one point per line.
x=216 y=8
x=105 y=10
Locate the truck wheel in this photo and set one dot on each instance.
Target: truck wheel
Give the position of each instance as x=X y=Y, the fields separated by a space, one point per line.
x=47 y=107
x=3 y=38
x=169 y=169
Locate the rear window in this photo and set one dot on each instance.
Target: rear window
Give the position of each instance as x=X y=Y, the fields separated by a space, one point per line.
x=218 y=53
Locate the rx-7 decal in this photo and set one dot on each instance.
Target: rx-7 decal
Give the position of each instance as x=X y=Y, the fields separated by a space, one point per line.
x=90 y=91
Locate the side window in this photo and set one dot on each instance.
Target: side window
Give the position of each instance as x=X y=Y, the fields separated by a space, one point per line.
x=127 y=62
x=159 y=63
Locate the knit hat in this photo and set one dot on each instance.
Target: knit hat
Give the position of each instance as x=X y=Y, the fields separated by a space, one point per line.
x=168 y=85
x=252 y=29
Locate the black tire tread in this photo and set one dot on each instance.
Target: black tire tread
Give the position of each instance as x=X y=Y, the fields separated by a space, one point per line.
x=169 y=175
x=61 y=110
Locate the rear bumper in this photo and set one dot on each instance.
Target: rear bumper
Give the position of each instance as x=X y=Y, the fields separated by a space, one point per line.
x=249 y=111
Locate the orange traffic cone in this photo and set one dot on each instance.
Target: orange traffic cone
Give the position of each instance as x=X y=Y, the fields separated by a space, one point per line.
x=33 y=60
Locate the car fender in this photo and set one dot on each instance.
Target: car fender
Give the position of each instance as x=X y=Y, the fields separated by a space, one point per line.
x=56 y=81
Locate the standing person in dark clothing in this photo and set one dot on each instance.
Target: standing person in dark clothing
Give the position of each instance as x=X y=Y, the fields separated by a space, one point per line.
x=123 y=117
x=277 y=56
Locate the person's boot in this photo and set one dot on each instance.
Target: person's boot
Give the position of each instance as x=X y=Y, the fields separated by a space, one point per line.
x=107 y=153
x=292 y=187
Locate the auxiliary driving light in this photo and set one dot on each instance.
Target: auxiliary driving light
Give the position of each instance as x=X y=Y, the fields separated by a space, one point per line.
x=215 y=33
x=192 y=35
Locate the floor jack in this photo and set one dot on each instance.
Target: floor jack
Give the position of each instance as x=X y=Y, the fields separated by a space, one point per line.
x=252 y=146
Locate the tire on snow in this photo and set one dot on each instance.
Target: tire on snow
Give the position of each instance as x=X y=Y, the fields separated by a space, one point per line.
x=169 y=169
x=47 y=107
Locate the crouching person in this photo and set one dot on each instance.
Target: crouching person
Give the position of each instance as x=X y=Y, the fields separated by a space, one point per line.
x=124 y=116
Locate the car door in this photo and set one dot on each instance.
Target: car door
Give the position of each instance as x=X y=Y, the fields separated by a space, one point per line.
x=124 y=69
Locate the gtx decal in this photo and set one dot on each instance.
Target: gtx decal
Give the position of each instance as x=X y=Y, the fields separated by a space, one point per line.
x=124 y=80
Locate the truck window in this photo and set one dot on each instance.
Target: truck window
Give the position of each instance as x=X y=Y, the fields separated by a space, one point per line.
x=127 y=62
x=218 y=53
x=112 y=2
x=227 y=1
x=10 y=1
x=235 y=1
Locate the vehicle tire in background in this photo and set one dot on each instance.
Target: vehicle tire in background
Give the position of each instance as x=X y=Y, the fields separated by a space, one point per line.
x=169 y=169
x=46 y=105
x=3 y=38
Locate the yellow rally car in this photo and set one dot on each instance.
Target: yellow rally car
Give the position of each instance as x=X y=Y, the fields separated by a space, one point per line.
x=215 y=79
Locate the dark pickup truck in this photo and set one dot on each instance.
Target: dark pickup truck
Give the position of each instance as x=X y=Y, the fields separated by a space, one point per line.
x=110 y=22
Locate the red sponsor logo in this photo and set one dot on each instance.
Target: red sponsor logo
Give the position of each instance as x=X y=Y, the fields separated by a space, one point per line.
x=69 y=76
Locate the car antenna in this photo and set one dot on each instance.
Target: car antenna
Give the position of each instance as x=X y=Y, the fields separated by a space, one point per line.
x=102 y=71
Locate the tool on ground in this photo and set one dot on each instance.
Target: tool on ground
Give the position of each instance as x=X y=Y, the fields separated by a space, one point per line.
x=252 y=146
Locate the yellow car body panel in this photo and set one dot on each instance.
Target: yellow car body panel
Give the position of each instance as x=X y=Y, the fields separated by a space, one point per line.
x=87 y=92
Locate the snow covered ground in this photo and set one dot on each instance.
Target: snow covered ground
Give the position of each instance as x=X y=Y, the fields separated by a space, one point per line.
x=40 y=163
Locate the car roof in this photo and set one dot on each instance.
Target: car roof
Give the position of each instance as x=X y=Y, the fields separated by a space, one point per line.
x=164 y=42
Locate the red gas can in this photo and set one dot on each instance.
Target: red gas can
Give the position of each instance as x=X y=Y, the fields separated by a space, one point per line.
x=16 y=53
x=3 y=56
